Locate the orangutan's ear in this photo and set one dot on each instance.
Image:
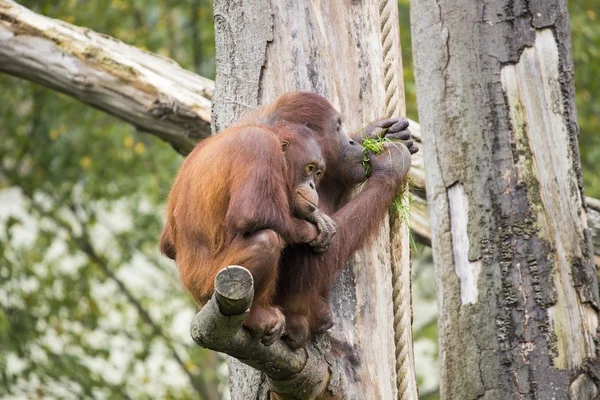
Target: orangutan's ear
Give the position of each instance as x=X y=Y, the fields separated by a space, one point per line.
x=285 y=144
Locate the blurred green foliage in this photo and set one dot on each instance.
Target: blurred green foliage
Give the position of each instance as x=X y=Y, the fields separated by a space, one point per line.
x=87 y=306
x=585 y=34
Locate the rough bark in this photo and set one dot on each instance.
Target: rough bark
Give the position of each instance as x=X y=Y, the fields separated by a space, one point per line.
x=294 y=374
x=149 y=91
x=265 y=48
x=517 y=288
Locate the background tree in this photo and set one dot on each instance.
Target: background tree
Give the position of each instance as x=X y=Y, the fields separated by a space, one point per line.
x=515 y=271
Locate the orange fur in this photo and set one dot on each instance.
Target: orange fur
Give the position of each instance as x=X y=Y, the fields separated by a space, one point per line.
x=306 y=277
x=230 y=204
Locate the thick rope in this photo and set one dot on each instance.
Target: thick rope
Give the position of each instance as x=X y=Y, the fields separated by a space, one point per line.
x=401 y=286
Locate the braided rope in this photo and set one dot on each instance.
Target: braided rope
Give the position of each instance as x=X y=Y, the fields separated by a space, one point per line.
x=401 y=291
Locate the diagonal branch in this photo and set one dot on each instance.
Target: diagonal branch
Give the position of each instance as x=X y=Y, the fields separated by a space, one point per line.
x=151 y=92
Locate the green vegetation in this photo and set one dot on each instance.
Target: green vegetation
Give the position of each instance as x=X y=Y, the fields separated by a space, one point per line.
x=371 y=145
x=585 y=31
x=401 y=205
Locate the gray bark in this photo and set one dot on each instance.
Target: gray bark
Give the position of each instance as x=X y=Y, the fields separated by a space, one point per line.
x=149 y=91
x=517 y=288
x=267 y=48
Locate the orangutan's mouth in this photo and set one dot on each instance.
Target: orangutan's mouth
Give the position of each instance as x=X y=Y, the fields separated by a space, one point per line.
x=313 y=205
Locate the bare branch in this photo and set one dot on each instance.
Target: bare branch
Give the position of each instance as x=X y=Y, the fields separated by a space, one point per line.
x=593 y=204
x=292 y=374
x=151 y=92
x=593 y=220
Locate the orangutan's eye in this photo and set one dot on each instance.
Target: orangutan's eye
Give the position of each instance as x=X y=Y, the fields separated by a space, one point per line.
x=309 y=169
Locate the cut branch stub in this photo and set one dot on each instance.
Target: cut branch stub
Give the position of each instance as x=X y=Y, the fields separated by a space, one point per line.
x=234 y=290
x=221 y=318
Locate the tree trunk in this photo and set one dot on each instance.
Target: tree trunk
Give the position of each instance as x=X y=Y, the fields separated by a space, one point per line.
x=516 y=283
x=267 y=48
